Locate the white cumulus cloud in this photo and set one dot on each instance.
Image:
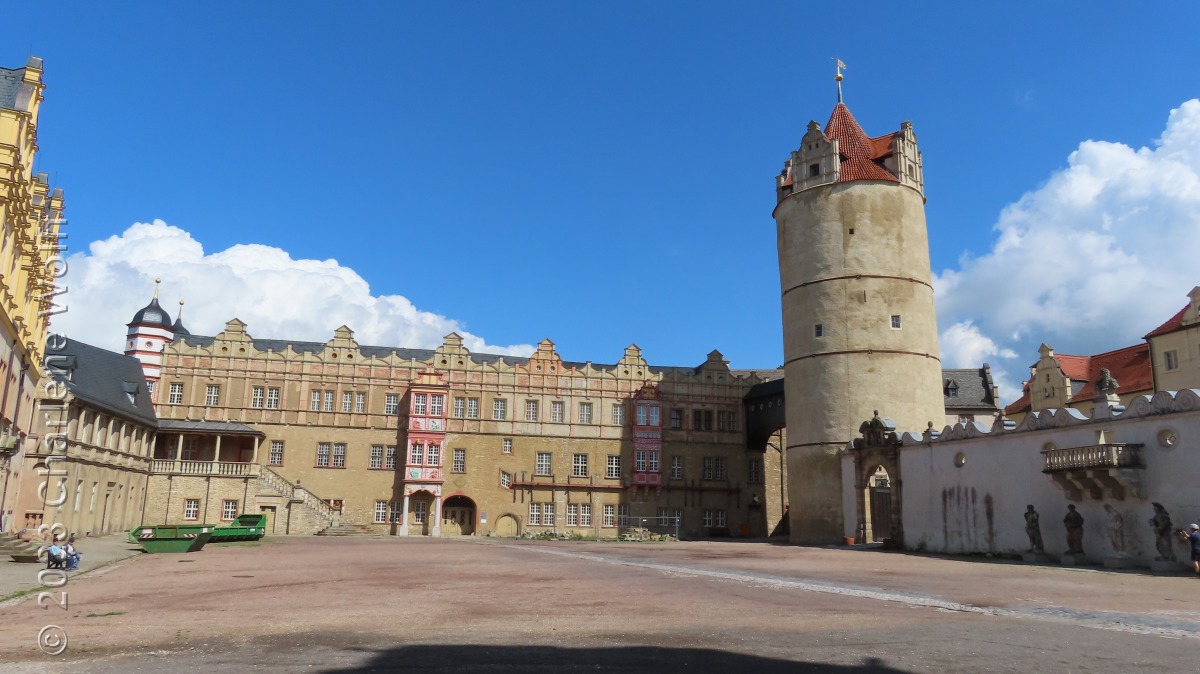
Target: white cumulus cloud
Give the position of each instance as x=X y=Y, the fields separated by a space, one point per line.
x=276 y=296
x=1092 y=260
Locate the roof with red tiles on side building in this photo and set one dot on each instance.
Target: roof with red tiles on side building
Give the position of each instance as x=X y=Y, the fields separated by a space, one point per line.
x=858 y=151
x=1022 y=404
x=1173 y=323
x=1130 y=366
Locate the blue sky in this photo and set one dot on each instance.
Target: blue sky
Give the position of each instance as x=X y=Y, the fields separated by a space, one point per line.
x=601 y=174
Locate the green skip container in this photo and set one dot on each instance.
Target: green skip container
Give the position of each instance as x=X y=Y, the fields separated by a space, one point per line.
x=172 y=538
x=244 y=528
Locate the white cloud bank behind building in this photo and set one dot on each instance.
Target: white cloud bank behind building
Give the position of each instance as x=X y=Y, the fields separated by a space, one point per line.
x=276 y=296
x=1102 y=253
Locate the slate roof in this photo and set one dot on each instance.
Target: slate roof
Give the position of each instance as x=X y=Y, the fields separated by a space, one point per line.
x=103 y=379
x=152 y=314
x=974 y=388
x=210 y=427
x=10 y=84
x=858 y=152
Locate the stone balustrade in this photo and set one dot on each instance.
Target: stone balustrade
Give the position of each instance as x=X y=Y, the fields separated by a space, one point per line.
x=221 y=468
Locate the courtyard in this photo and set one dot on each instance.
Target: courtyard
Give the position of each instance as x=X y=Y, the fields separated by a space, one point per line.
x=501 y=605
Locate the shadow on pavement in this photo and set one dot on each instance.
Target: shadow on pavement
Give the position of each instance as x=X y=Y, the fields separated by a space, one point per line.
x=554 y=660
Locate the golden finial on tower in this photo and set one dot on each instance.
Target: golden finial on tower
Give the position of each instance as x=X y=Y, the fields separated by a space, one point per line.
x=157 y=280
x=840 y=65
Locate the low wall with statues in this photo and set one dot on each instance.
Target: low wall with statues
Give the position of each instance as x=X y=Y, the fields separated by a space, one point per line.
x=968 y=489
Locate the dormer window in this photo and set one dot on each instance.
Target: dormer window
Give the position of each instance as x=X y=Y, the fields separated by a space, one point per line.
x=952 y=389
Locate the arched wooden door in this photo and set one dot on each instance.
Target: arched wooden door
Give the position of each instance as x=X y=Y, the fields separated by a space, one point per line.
x=458 y=516
x=506 y=526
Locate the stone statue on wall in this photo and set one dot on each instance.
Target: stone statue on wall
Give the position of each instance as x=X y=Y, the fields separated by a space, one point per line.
x=1163 y=532
x=1033 y=529
x=1074 y=524
x=1116 y=529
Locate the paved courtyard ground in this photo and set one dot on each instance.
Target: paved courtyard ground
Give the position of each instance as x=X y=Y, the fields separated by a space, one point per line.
x=490 y=605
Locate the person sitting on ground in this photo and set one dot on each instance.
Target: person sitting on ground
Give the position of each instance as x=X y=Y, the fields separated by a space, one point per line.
x=55 y=555
x=73 y=555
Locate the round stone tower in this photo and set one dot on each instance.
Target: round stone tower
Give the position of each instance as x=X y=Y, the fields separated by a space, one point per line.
x=859 y=329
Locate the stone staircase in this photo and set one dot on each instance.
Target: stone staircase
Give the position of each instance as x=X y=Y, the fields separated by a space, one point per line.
x=317 y=514
x=19 y=550
x=348 y=530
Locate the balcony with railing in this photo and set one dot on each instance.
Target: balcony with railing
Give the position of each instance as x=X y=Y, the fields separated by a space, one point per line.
x=1111 y=469
x=207 y=468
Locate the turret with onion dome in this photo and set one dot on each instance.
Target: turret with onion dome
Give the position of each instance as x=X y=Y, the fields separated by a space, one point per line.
x=149 y=333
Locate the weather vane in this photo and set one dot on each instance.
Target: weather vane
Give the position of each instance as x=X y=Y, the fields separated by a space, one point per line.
x=840 y=65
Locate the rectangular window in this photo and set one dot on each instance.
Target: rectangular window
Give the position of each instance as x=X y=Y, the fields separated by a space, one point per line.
x=556 y=411
x=613 y=468
x=618 y=417
x=655 y=415
x=420 y=508
x=1172 y=359
x=272 y=397
x=654 y=461
x=585 y=514
x=895 y=321
x=506 y=446
x=376 y=457
x=389 y=458
x=472 y=408
x=639 y=460
x=623 y=515
x=381 y=512
x=436 y=405
x=328 y=401
x=460 y=407
x=391 y=403
x=585 y=413
x=697 y=420
x=754 y=472
x=191 y=507
x=323 y=454
x=229 y=510
x=548 y=514
x=275 y=458
x=720 y=520
x=339 y=455
x=347 y=401
x=460 y=461
x=434 y=454
x=641 y=415
x=676 y=419
x=818 y=331
x=416 y=454
x=315 y=403
x=257 y=397
x=722 y=420
x=707 y=473
x=579 y=465
x=394 y=511
x=708 y=518
x=535 y=514
x=506 y=480
x=360 y=403
x=543 y=464
x=676 y=467
x=610 y=515
x=719 y=469
x=499 y=409
x=572 y=514
x=531 y=410
x=150 y=390
x=212 y=395
x=420 y=401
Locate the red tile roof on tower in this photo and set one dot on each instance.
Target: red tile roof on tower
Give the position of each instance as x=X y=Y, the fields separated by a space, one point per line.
x=858 y=151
